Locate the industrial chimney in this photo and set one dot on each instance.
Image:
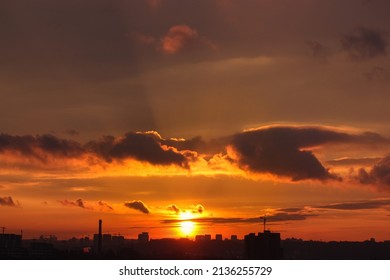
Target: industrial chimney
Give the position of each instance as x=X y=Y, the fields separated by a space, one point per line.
x=100 y=237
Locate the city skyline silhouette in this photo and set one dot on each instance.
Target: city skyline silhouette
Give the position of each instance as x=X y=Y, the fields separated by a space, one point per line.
x=264 y=245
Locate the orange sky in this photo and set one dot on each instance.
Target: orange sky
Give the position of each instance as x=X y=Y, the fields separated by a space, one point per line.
x=148 y=113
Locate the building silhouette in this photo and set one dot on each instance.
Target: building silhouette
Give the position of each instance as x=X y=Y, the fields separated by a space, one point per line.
x=263 y=246
x=10 y=245
x=143 y=237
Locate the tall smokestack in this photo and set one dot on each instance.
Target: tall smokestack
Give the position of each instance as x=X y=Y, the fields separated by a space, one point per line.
x=100 y=237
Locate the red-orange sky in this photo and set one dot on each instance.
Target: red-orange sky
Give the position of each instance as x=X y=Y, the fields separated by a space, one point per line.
x=195 y=117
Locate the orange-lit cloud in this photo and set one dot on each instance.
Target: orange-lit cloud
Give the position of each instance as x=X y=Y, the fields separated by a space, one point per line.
x=378 y=175
x=180 y=37
x=291 y=153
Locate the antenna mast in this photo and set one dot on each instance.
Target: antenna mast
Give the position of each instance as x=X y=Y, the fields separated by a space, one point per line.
x=264 y=221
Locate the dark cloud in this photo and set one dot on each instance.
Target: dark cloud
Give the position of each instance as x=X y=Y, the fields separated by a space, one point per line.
x=284 y=151
x=147 y=147
x=378 y=175
x=360 y=205
x=277 y=150
x=77 y=203
x=365 y=43
x=140 y=146
x=7 y=201
x=37 y=146
x=137 y=205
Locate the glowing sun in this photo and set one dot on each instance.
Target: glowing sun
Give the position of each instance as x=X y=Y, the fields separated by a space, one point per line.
x=186 y=225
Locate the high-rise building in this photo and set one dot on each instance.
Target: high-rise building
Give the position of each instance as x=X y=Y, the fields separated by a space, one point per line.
x=263 y=246
x=143 y=237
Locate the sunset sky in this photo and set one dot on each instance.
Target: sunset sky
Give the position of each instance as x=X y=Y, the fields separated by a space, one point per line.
x=195 y=117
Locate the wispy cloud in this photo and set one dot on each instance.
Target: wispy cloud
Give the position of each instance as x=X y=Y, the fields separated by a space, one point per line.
x=77 y=203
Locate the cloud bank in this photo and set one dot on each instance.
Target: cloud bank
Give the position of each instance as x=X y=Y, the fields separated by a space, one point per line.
x=286 y=152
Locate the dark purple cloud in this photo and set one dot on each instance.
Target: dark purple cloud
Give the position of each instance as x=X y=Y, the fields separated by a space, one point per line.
x=147 y=147
x=37 y=146
x=140 y=146
x=285 y=151
x=365 y=43
x=138 y=205
x=359 y=205
x=378 y=175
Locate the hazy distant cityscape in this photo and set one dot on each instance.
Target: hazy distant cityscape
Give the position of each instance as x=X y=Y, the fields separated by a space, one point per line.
x=262 y=245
